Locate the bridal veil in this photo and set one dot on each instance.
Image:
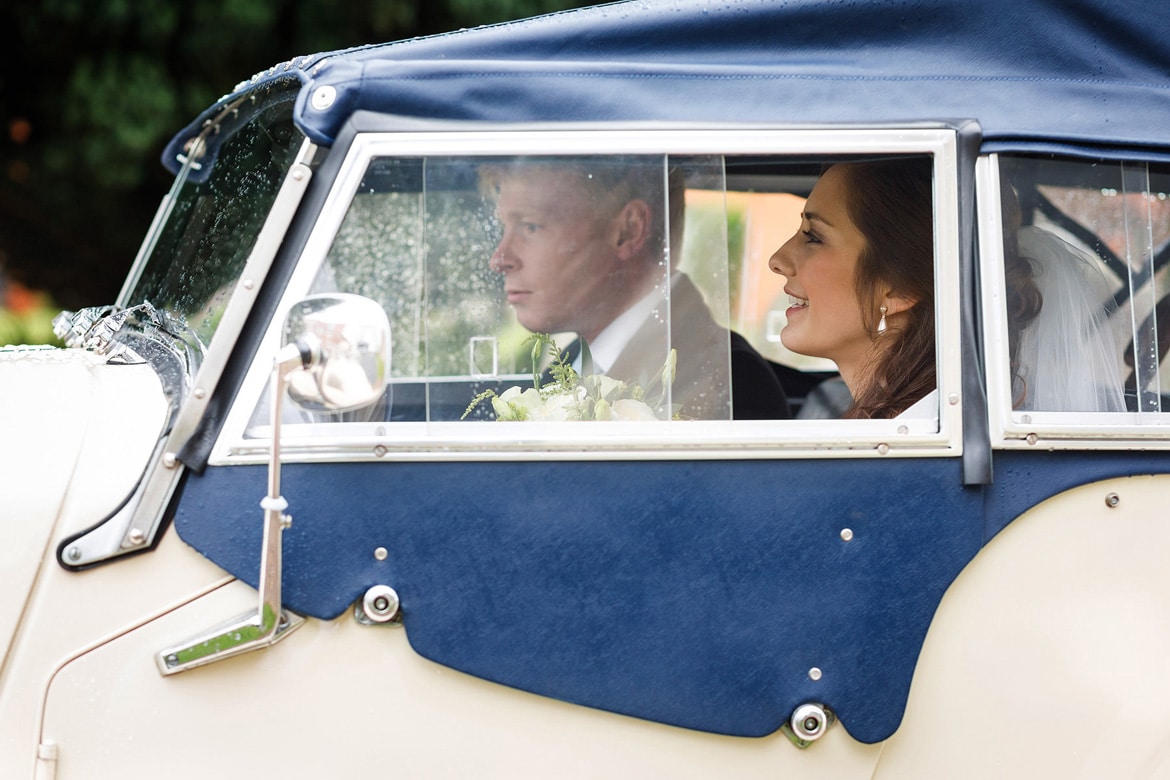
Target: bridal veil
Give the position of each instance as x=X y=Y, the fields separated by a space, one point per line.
x=1067 y=358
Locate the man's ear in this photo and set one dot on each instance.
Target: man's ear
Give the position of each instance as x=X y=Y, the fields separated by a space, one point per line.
x=632 y=225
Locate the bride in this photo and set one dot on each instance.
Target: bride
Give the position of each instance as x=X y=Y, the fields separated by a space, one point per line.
x=860 y=277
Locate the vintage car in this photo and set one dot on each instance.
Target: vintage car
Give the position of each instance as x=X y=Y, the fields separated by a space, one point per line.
x=277 y=511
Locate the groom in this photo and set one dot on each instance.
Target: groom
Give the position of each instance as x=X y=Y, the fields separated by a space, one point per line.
x=589 y=247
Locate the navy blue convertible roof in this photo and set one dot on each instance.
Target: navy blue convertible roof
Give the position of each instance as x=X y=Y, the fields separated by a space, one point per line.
x=1081 y=76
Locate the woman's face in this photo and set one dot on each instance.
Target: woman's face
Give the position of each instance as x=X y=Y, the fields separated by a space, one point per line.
x=820 y=264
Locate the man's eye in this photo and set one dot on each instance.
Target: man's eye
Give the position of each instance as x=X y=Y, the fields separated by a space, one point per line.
x=530 y=227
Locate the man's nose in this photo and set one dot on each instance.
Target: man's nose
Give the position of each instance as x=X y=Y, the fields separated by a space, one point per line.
x=503 y=260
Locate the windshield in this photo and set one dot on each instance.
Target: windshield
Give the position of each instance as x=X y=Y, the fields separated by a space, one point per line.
x=191 y=261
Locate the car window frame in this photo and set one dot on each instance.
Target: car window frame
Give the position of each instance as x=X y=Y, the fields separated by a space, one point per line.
x=1033 y=429
x=657 y=440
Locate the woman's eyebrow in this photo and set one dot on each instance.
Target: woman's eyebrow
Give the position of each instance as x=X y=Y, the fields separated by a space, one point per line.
x=812 y=216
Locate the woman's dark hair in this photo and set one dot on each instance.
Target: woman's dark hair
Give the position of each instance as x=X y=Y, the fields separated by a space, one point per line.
x=1024 y=300
x=890 y=202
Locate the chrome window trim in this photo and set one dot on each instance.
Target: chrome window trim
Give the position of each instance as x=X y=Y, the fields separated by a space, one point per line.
x=736 y=439
x=244 y=294
x=1038 y=429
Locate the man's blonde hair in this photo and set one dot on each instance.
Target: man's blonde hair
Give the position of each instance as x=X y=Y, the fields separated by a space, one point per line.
x=612 y=181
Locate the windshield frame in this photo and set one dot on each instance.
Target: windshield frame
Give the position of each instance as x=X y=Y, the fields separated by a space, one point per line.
x=135 y=526
x=206 y=228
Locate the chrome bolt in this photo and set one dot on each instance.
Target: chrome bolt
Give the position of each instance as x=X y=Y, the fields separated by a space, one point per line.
x=953 y=399
x=814 y=673
x=73 y=553
x=380 y=604
x=883 y=449
x=379 y=451
x=1032 y=438
x=381 y=553
x=846 y=534
x=169 y=460
x=172 y=660
x=903 y=429
x=1112 y=500
x=199 y=392
x=809 y=722
x=136 y=536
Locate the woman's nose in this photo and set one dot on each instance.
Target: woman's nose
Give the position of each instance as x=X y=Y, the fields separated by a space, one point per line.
x=779 y=262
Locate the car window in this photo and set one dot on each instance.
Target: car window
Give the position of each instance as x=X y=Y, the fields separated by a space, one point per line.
x=493 y=270
x=1086 y=245
x=632 y=292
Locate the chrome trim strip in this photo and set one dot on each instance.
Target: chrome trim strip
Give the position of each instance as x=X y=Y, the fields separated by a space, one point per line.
x=243 y=297
x=994 y=297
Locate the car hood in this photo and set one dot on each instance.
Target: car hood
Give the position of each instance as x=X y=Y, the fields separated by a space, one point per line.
x=77 y=433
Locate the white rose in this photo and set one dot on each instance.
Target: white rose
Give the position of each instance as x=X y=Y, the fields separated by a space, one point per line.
x=607 y=385
x=559 y=407
x=629 y=409
x=514 y=404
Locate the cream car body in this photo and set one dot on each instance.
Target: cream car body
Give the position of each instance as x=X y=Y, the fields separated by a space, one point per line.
x=366 y=576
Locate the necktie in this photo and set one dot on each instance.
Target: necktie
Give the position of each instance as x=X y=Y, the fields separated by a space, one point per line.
x=576 y=355
x=586 y=359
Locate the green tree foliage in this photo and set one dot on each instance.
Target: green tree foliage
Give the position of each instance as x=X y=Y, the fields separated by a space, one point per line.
x=91 y=91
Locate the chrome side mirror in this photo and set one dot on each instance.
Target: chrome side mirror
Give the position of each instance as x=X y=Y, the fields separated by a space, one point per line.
x=348 y=337
x=336 y=358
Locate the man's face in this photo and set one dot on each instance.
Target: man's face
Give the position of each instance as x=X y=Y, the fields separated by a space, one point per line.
x=557 y=253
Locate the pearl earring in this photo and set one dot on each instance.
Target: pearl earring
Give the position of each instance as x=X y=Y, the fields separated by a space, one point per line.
x=882 y=322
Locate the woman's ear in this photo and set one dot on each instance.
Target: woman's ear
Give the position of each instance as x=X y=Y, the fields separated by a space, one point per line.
x=633 y=228
x=896 y=304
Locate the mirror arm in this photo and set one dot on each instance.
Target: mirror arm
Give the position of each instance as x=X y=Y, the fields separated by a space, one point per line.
x=269 y=623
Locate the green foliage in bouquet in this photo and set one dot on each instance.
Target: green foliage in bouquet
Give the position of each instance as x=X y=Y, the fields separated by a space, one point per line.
x=569 y=396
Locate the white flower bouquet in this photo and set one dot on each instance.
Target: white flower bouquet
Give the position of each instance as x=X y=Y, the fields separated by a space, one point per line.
x=570 y=396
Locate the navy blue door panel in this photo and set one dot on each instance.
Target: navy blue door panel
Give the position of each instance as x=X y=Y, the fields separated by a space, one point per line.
x=699 y=594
